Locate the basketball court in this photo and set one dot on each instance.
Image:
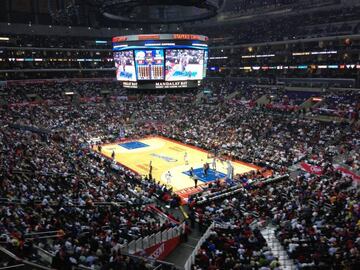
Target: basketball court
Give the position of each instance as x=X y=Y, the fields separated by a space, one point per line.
x=171 y=162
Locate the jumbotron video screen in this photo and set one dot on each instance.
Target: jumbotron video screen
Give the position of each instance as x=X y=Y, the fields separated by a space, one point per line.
x=160 y=61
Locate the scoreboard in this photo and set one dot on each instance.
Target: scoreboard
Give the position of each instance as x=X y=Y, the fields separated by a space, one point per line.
x=160 y=60
x=149 y=64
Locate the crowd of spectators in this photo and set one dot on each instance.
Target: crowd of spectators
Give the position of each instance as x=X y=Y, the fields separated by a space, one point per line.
x=235 y=247
x=52 y=180
x=316 y=220
x=52 y=184
x=342 y=104
x=60 y=92
x=318 y=225
x=257 y=143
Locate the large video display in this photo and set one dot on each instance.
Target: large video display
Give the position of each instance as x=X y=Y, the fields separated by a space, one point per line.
x=184 y=64
x=149 y=64
x=125 y=68
x=167 y=65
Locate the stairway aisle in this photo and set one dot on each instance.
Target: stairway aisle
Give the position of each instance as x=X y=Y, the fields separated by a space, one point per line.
x=184 y=250
x=277 y=249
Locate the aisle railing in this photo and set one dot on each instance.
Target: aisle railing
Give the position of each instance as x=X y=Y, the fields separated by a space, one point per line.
x=143 y=243
x=191 y=260
x=20 y=263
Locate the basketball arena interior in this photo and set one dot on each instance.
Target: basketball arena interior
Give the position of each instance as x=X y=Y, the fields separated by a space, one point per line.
x=179 y=134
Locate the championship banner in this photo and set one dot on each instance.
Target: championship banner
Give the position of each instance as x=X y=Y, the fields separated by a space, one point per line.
x=347 y=172
x=313 y=169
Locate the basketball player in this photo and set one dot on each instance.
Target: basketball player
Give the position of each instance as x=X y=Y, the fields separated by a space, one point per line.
x=186 y=160
x=184 y=61
x=213 y=164
x=150 y=170
x=206 y=169
x=123 y=63
x=230 y=170
x=191 y=172
x=168 y=177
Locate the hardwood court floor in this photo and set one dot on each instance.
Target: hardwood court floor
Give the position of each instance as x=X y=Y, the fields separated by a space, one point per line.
x=166 y=156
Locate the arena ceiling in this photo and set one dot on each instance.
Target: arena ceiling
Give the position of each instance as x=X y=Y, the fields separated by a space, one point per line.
x=115 y=13
x=158 y=11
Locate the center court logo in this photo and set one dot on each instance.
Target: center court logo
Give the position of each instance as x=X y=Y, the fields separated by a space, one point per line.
x=166 y=158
